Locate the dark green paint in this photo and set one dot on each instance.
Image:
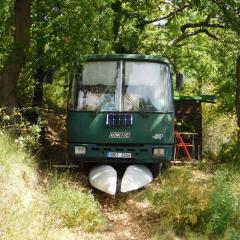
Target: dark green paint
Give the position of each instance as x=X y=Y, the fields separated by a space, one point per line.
x=83 y=127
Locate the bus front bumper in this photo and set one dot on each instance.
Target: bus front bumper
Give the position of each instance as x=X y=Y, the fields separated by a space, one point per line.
x=120 y=153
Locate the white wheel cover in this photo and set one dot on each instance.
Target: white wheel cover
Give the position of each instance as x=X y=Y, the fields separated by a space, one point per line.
x=104 y=178
x=135 y=177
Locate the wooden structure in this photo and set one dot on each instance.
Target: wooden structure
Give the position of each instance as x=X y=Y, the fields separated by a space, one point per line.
x=188 y=114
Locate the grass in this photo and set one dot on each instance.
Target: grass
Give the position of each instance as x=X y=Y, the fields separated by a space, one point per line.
x=189 y=203
x=223 y=216
x=31 y=211
x=19 y=196
x=183 y=202
x=74 y=208
x=178 y=202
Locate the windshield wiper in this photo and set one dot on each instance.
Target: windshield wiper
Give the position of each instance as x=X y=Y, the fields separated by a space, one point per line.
x=140 y=110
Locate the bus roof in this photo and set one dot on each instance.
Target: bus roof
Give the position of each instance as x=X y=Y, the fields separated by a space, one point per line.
x=132 y=57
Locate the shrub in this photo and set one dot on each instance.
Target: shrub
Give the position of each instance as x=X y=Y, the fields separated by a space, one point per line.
x=179 y=202
x=230 y=153
x=16 y=122
x=73 y=207
x=223 y=215
x=218 y=130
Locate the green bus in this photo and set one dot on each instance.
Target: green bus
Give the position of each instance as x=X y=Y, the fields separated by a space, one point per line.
x=121 y=110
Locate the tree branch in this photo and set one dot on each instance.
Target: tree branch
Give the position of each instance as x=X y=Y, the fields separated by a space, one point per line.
x=205 y=23
x=230 y=13
x=166 y=3
x=190 y=34
x=168 y=15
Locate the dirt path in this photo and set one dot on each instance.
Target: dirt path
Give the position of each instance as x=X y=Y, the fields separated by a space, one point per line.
x=127 y=217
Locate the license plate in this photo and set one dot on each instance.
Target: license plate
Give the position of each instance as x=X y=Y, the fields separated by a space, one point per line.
x=119 y=155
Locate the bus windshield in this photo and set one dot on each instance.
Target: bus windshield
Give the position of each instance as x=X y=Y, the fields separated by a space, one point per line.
x=117 y=86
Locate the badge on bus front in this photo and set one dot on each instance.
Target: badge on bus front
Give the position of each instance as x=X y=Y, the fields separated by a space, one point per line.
x=119 y=135
x=158 y=136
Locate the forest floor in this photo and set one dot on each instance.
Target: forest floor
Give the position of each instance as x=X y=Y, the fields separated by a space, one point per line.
x=127 y=215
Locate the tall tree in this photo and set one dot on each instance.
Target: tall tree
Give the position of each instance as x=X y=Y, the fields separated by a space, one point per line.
x=238 y=95
x=18 y=55
x=216 y=19
x=230 y=12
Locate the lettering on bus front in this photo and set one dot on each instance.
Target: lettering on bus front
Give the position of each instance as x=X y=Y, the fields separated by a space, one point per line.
x=119 y=135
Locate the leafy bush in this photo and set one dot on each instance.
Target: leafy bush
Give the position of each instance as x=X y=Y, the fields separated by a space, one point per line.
x=195 y=208
x=218 y=131
x=223 y=214
x=16 y=123
x=230 y=153
x=179 y=202
x=74 y=208
x=56 y=93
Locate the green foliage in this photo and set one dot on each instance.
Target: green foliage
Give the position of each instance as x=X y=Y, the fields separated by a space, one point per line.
x=66 y=30
x=11 y=154
x=21 y=209
x=6 y=39
x=73 y=207
x=56 y=94
x=219 y=132
x=26 y=134
x=196 y=206
x=179 y=202
x=222 y=218
x=62 y=31
x=29 y=211
x=230 y=153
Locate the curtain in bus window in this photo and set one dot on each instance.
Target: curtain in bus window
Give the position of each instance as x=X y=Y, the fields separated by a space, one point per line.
x=95 y=73
x=147 y=87
x=98 y=86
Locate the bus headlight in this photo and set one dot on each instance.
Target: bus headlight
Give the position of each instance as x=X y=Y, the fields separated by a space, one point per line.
x=80 y=150
x=158 y=152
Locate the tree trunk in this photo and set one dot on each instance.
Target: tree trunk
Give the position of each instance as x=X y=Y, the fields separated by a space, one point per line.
x=37 y=100
x=17 y=57
x=117 y=38
x=39 y=77
x=238 y=96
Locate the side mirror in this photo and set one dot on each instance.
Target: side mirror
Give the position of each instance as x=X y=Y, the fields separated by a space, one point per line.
x=179 y=82
x=49 y=75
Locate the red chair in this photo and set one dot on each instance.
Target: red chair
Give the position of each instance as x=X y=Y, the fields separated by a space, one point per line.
x=181 y=144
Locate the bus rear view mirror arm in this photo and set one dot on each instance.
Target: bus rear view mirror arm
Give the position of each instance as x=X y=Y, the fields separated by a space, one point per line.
x=179 y=82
